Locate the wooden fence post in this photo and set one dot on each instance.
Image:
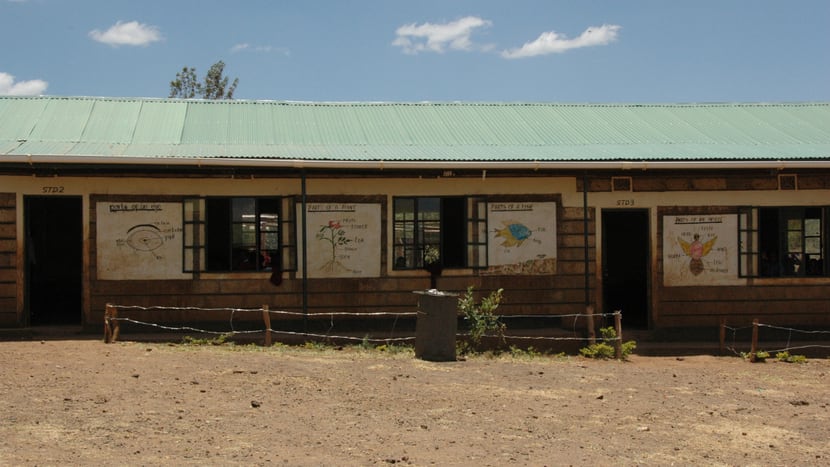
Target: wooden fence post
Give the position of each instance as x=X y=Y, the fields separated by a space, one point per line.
x=618 y=328
x=111 y=324
x=589 y=316
x=754 y=348
x=722 y=334
x=107 y=329
x=266 y=316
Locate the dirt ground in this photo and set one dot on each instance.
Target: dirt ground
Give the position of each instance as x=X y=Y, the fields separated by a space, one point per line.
x=83 y=402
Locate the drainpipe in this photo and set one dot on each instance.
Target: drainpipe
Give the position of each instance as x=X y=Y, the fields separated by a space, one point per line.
x=585 y=238
x=305 y=249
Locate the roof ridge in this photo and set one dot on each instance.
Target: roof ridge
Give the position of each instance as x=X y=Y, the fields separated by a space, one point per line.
x=433 y=103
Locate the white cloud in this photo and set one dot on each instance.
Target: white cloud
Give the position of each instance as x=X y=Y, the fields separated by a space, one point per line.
x=260 y=49
x=553 y=42
x=131 y=33
x=21 y=88
x=428 y=37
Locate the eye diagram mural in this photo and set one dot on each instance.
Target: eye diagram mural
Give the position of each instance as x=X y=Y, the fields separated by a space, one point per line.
x=700 y=250
x=342 y=239
x=139 y=241
x=521 y=238
x=144 y=237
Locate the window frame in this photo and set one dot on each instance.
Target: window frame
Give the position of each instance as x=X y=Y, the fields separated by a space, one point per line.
x=781 y=253
x=410 y=239
x=197 y=228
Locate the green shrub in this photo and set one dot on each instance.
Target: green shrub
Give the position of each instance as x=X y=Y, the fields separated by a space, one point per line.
x=530 y=352
x=394 y=349
x=786 y=357
x=760 y=356
x=221 y=339
x=315 y=345
x=598 y=350
x=605 y=349
x=482 y=318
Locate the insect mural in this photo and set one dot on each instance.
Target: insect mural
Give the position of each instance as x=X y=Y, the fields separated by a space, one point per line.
x=696 y=250
x=700 y=250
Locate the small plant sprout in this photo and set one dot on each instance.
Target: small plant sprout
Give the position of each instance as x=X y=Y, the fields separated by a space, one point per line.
x=786 y=357
x=760 y=356
x=431 y=255
x=482 y=317
x=605 y=349
x=221 y=339
x=432 y=263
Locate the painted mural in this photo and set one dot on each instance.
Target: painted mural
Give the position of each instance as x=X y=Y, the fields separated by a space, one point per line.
x=139 y=241
x=343 y=239
x=521 y=238
x=700 y=250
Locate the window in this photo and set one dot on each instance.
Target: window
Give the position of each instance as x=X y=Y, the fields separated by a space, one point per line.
x=236 y=234
x=783 y=242
x=452 y=225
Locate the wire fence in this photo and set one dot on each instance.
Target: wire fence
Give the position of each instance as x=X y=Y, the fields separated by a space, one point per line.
x=239 y=323
x=258 y=321
x=393 y=328
x=782 y=337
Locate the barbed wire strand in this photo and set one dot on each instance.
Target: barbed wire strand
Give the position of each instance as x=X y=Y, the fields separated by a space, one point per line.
x=256 y=331
x=181 y=308
x=337 y=337
x=800 y=347
x=327 y=314
x=549 y=338
x=803 y=331
x=568 y=315
x=283 y=312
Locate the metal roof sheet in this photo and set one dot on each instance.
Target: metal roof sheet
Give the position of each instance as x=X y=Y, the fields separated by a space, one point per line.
x=269 y=130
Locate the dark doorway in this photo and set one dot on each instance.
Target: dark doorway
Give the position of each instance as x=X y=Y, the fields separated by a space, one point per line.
x=54 y=264
x=453 y=232
x=625 y=265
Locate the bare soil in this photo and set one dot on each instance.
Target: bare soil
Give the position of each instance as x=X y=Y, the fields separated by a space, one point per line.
x=83 y=402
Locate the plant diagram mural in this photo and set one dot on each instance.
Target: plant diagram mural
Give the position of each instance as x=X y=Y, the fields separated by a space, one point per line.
x=335 y=236
x=343 y=239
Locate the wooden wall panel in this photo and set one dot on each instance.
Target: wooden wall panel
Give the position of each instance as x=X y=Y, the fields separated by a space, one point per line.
x=8 y=260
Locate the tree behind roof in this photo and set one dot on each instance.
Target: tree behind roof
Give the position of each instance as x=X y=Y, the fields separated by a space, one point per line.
x=187 y=86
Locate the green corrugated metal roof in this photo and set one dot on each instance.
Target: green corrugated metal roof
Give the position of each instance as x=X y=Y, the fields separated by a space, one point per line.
x=155 y=128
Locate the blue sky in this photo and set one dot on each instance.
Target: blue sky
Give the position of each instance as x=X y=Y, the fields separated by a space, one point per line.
x=425 y=50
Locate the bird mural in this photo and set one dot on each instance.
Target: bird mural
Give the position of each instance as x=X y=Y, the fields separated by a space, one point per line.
x=696 y=250
x=513 y=233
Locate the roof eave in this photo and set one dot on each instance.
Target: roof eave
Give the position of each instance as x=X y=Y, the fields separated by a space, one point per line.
x=433 y=164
